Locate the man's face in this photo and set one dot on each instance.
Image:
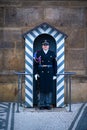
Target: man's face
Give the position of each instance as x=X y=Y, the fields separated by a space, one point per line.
x=45 y=47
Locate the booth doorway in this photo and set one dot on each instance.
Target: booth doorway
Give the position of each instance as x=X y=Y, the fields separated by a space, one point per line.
x=37 y=45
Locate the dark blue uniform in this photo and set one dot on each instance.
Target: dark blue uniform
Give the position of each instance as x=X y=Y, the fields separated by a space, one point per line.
x=46 y=67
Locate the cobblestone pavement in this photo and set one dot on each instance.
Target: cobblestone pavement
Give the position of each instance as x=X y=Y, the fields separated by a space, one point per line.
x=35 y=119
x=7 y=116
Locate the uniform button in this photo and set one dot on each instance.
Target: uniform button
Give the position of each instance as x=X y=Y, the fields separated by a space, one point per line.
x=42 y=71
x=47 y=71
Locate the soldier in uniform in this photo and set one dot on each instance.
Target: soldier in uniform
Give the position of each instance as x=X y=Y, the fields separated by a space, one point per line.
x=45 y=69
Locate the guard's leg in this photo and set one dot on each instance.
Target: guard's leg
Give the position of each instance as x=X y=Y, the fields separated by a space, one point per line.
x=48 y=100
x=42 y=101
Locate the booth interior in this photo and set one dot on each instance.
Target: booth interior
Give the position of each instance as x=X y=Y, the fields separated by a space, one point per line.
x=37 y=46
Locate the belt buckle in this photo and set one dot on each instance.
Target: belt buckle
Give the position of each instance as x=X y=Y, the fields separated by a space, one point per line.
x=44 y=65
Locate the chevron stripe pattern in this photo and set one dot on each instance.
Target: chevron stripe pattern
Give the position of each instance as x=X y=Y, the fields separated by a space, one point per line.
x=60 y=69
x=29 y=40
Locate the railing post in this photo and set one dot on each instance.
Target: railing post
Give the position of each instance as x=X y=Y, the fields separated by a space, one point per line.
x=69 y=76
x=19 y=92
x=66 y=89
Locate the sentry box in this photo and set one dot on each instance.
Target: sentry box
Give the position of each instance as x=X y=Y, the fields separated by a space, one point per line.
x=33 y=39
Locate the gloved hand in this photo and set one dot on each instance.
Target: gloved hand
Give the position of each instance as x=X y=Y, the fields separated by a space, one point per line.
x=36 y=76
x=54 y=77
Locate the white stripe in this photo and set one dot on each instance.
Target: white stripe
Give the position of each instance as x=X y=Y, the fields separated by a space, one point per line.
x=61 y=59
x=41 y=30
x=28 y=51
x=58 y=37
x=29 y=85
x=29 y=94
x=61 y=68
x=60 y=52
x=47 y=31
x=53 y=33
x=60 y=85
x=29 y=60
x=29 y=77
x=60 y=102
x=60 y=43
x=29 y=43
x=29 y=102
x=31 y=37
x=35 y=33
x=61 y=93
x=59 y=78
x=28 y=68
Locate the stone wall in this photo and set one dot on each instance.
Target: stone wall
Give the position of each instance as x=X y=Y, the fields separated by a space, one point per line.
x=19 y=16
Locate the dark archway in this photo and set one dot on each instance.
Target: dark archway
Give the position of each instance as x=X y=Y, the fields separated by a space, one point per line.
x=37 y=45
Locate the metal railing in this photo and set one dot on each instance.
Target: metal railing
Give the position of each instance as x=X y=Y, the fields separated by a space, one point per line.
x=67 y=75
x=20 y=74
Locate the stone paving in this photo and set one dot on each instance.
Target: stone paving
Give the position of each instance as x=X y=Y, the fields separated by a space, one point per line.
x=35 y=119
x=7 y=116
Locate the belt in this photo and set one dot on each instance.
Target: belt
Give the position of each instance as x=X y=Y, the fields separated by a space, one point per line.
x=45 y=66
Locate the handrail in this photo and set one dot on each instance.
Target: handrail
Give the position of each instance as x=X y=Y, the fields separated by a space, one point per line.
x=67 y=73
x=22 y=73
x=20 y=87
x=68 y=85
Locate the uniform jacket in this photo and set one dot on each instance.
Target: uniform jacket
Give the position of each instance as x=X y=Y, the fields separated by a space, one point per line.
x=46 y=67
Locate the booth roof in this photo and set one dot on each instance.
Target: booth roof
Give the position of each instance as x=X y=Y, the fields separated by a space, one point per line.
x=44 y=26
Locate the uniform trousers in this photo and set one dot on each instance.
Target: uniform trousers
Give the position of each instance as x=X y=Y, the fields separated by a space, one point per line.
x=45 y=99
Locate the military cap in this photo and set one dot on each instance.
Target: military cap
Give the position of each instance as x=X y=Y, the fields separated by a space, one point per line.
x=45 y=42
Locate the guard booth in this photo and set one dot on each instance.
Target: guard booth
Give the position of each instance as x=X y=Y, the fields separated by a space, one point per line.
x=33 y=41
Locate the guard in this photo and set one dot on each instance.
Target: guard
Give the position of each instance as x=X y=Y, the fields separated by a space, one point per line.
x=45 y=69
